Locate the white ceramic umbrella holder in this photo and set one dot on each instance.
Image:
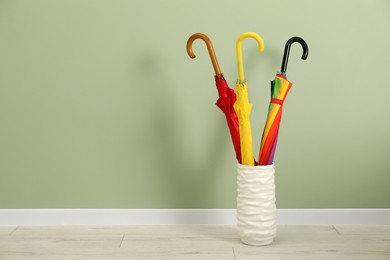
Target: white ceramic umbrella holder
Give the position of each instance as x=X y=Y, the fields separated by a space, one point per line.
x=256 y=209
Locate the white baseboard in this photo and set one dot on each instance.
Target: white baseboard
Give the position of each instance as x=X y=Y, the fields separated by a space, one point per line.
x=187 y=216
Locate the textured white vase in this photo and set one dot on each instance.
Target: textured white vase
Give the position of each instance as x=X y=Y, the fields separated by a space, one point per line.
x=256 y=209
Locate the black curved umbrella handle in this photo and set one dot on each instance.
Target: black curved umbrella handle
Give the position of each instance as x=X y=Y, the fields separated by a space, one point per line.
x=287 y=51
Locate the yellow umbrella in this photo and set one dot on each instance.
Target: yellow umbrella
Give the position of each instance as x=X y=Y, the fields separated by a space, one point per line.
x=242 y=105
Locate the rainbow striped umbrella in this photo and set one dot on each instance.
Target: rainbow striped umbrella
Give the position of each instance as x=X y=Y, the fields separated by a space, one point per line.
x=280 y=87
x=279 y=90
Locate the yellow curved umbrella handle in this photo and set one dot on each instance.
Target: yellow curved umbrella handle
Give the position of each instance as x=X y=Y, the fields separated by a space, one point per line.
x=240 y=66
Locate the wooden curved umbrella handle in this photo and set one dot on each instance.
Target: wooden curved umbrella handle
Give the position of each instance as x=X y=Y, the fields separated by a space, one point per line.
x=240 y=66
x=210 y=48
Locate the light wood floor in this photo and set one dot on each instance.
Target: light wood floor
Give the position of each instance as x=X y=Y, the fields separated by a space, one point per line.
x=191 y=242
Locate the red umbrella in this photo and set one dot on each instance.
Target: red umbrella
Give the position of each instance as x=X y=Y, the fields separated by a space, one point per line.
x=225 y=102
x=227 y=97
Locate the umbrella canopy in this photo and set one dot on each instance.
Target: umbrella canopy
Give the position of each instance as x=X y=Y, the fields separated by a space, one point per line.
x=243 y=109
x=225 y=102
x=242 y=106
x=279 y=90
x=227 y=97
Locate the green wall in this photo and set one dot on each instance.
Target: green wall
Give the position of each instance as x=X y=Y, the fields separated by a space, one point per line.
x=100 y=106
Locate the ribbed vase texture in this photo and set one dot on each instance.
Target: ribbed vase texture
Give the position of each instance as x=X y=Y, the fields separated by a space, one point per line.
x=256 y=209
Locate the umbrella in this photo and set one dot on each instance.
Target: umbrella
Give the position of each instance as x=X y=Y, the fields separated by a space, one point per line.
x=279 y=90
x=242 y=105
x=227 y=97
